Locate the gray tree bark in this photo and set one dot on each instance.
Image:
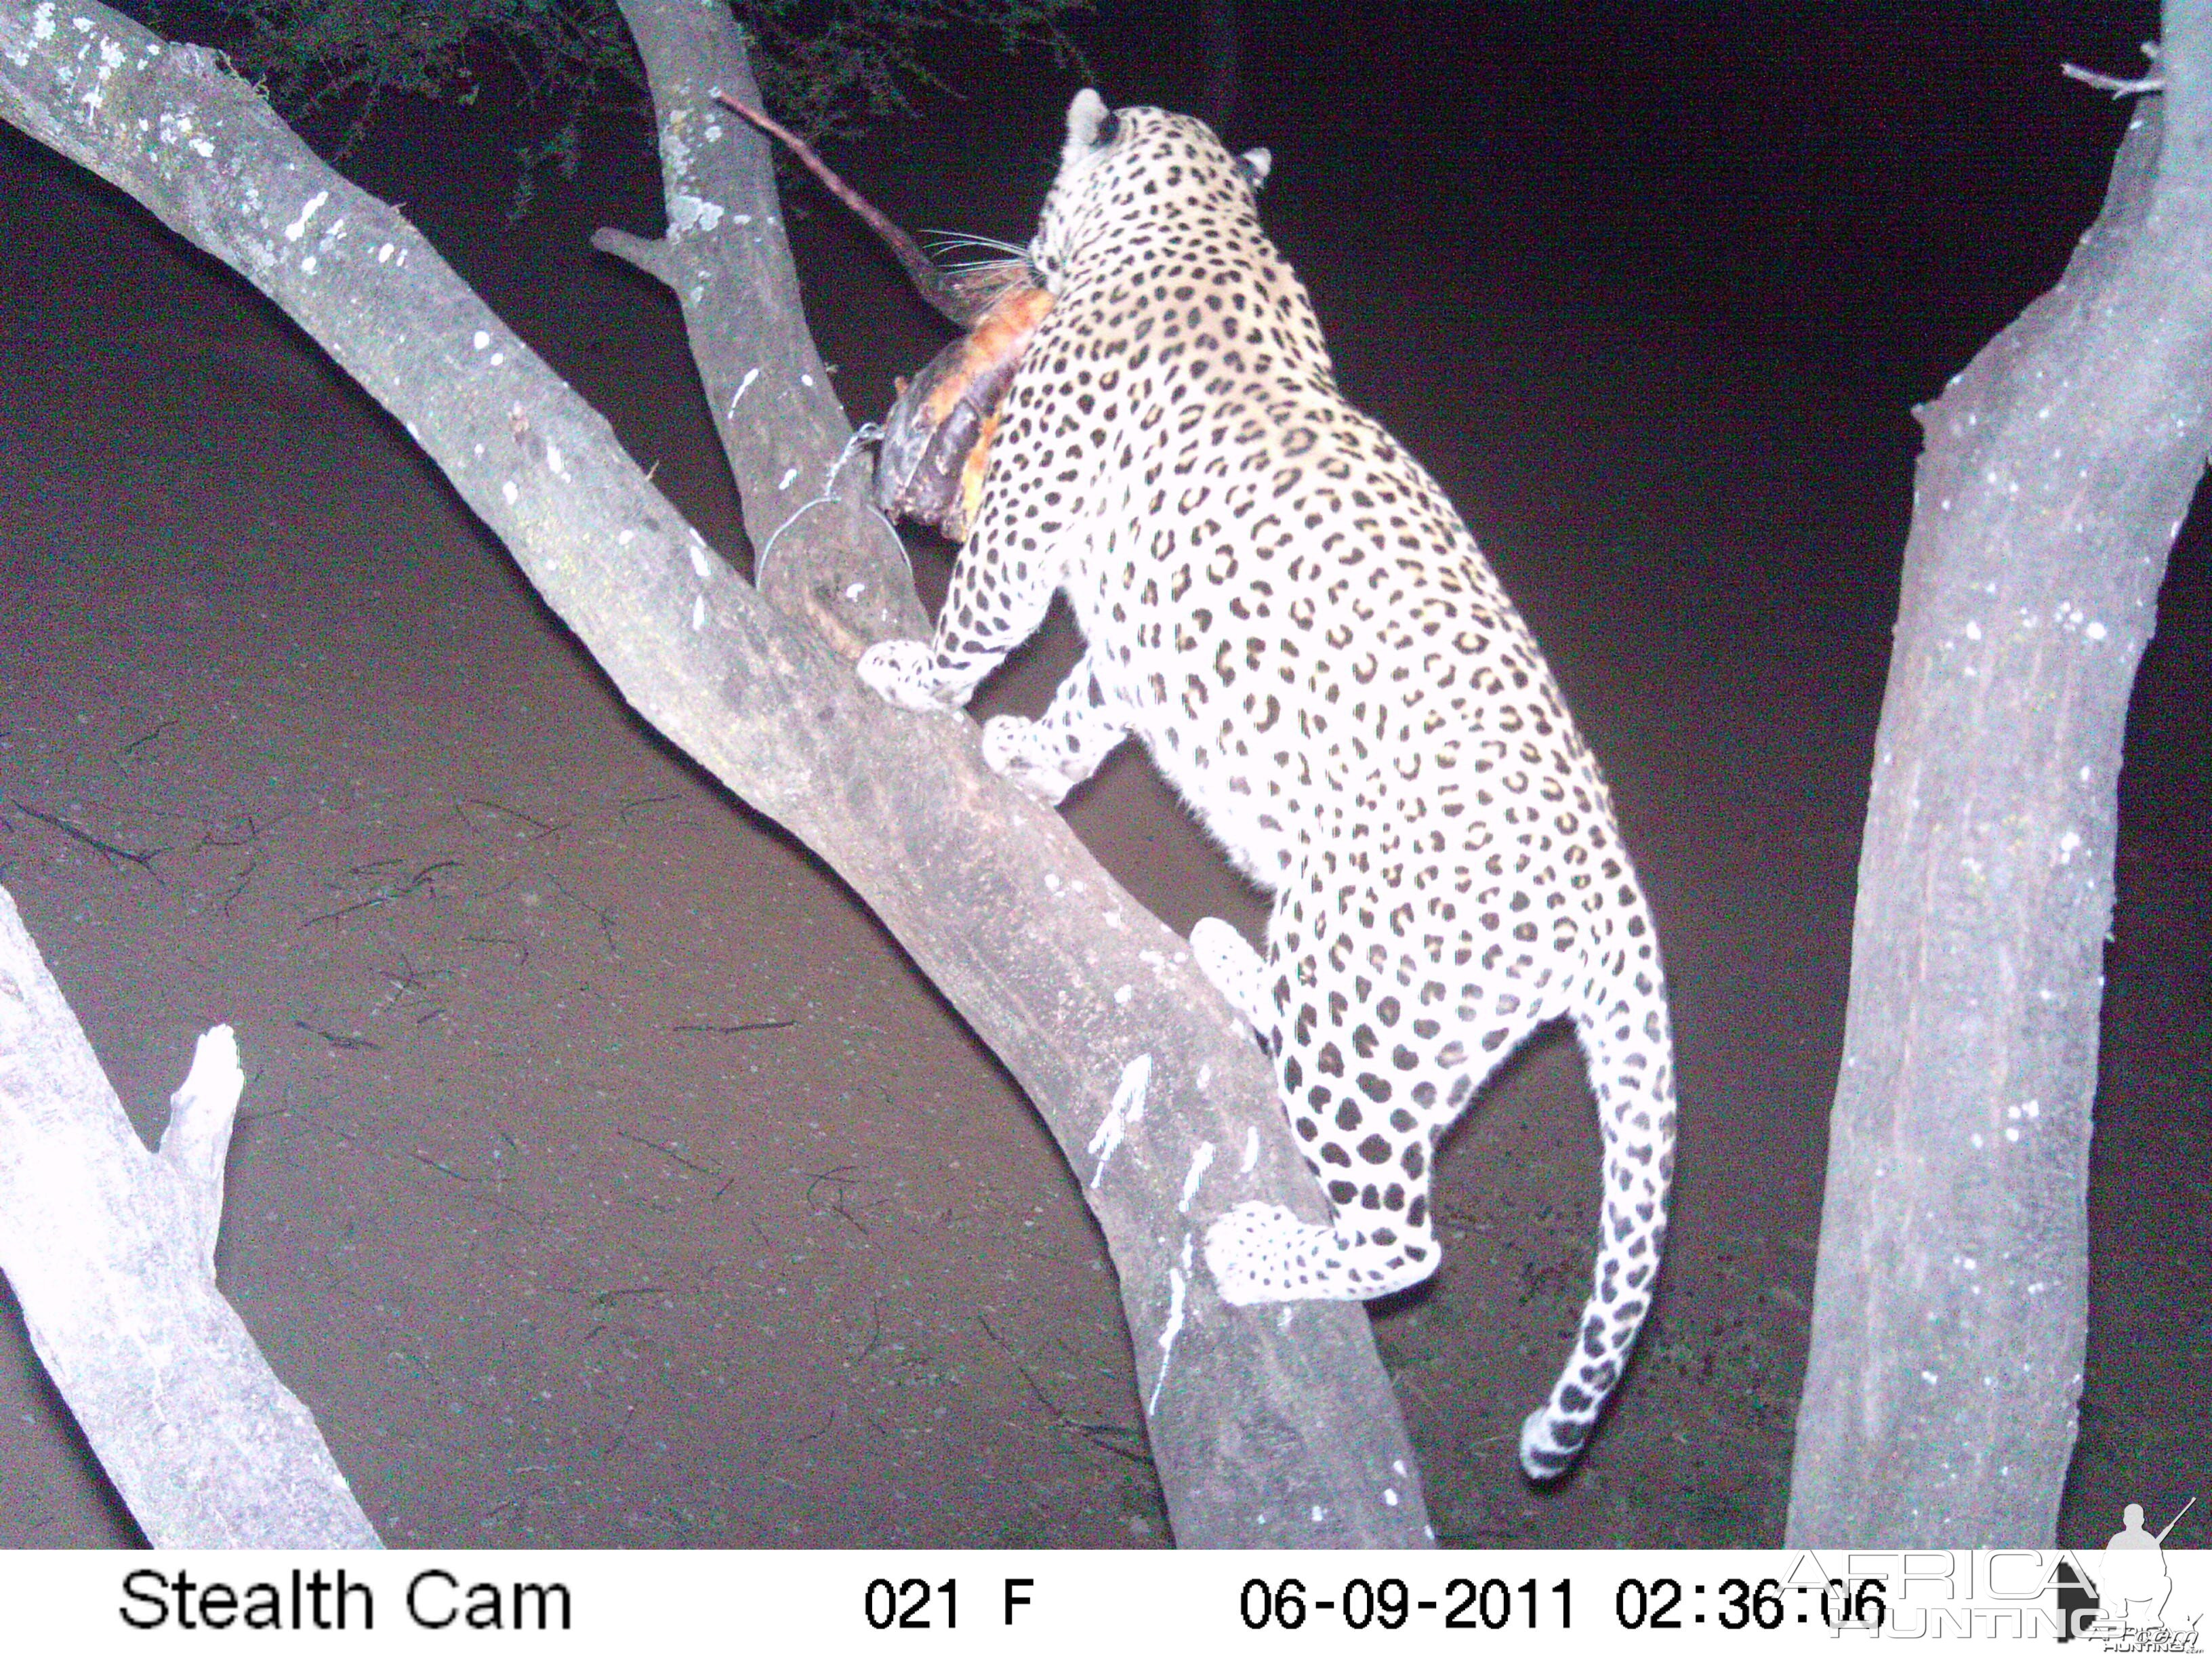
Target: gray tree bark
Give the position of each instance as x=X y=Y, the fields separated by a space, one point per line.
x=110 y=1249
x=1267 y=1427
x=1950 y=1307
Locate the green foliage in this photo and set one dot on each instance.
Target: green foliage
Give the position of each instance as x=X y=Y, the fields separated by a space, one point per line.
x=822 y=64
x=819 y=65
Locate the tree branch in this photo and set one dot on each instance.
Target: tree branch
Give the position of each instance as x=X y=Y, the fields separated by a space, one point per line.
x=1268 y=1426
x=110 y=1251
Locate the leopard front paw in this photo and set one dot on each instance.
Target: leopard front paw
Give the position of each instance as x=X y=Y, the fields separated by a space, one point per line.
x=905 y=672
x=1014 y=748
x=1260 y=1252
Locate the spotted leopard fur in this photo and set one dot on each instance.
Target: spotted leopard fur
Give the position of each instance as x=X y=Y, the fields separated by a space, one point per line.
x=1285 y=606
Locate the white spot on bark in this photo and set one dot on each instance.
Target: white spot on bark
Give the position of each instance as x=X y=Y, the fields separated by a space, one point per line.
x=698 y=612
x=699 y=562
x=1122 y=996
x=509 y=494
x=1389 y=1498
x=308 y=209
x=480 y=340
x=1200 y=1161
x=784 y=483
x=42 y=28
x=1171 y=1328
x=1205 y=1076
x=689 y=213
x=1128 y=1110
x=1251 y=1152
x=853 y=592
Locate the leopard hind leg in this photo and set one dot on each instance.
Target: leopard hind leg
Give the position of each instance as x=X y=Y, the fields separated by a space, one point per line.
x=1374 y=1060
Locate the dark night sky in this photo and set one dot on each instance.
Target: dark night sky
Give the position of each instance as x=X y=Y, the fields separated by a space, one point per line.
x=1880 y=186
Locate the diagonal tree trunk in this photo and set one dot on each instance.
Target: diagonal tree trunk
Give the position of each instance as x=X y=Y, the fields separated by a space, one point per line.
x=1267 y=1429
x=1951 y=1302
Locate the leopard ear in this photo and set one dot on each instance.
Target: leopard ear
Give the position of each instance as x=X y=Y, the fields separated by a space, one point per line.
x=1091 y=125
x=1255 y=165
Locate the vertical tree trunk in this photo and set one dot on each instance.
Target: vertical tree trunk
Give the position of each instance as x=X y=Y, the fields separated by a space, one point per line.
x=1951 y=1303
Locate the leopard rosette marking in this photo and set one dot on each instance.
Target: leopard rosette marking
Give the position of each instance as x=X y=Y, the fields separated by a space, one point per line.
x=1287 y=608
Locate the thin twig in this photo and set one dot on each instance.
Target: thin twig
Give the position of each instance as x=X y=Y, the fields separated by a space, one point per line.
x=2119 y=86
x=254 y=826
x=133 y=748
x=840 y=1182
x=624 y=810
x=337 y=1042
x=144 y=860
x=669 y=1152
x=252 y=862
x=1106 y=1437
x=542 y=828
x=604 y=917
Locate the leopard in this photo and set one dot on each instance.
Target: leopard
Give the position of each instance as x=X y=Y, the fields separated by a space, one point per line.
x=1287 y=609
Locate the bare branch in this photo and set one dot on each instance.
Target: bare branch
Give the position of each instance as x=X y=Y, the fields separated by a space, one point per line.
x=1266 y=1432
x=110 y=1251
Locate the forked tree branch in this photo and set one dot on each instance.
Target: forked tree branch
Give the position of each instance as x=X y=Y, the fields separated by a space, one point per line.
x=1268 y=1426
